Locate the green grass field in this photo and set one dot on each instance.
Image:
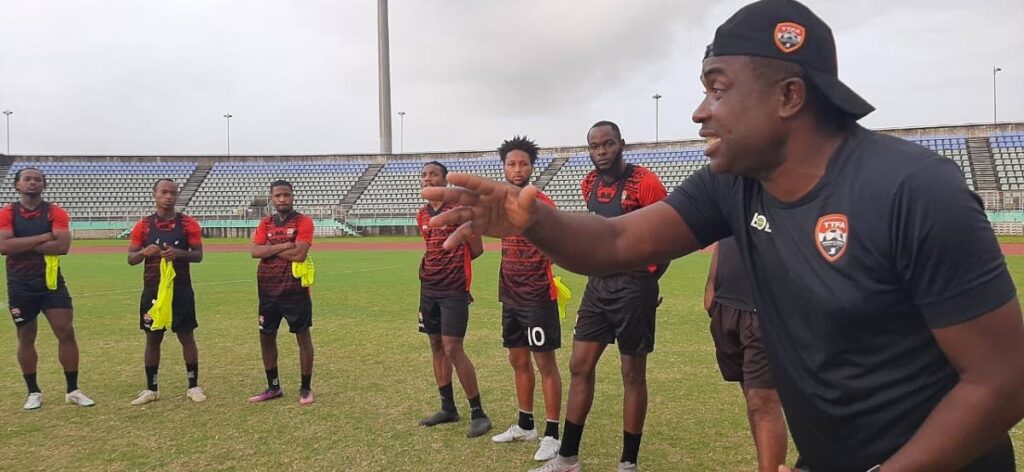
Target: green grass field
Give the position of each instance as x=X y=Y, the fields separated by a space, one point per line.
x=372 y=380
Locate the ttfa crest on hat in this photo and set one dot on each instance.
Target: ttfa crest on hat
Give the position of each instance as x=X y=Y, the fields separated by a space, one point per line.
x=789 y=36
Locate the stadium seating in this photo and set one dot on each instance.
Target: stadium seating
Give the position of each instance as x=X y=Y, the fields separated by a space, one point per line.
x=954 y=148
x=1008 y=157
x=103 y=190
x=396 y=189
x=121 y=190
x=231 y=187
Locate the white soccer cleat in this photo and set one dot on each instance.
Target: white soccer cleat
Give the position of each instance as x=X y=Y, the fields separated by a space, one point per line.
x=78 y=398
x=34 y=401
x=560 y=464
x=196 y=394
x=548 y=449
x=627 y=467
x=146 y=396
x=515 y=433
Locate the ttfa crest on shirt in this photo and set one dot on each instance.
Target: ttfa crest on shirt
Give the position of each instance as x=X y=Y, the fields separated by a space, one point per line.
x=832 y=234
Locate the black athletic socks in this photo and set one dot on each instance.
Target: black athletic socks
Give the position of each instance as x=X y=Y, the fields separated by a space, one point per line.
x=273 y=382
x=476 y=408
x=72 y=379
x=525 y=420
x=573 y=433
x=152 y=381
x=447 y=398
x=192 y=372
x=630 y=447
x=551 y=429
x=30 y=382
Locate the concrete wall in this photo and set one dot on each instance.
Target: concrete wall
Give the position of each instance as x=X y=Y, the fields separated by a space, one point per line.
x=96 y=233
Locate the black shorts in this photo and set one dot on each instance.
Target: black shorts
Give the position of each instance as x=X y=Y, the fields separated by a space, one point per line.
x=738 y=346
x=622 y=308
x=183 y=310
x=444 y=315
x=298 y=312
x=536 y=327
x=27 y=296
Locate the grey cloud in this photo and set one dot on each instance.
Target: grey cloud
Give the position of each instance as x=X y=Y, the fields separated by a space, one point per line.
x=122 y=76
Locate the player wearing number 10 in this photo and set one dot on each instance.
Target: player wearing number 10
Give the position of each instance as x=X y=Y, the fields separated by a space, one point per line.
x=529 y=317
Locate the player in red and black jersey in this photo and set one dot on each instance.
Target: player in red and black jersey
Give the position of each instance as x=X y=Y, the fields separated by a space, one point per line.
x=529 y=319
x=30 y=230
x=445 y=278
x=619 y=307
x=176 y=237
x=279 y=240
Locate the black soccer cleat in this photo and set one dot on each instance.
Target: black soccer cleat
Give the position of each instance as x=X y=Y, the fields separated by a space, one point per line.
x=442 y=416
x=479 y=427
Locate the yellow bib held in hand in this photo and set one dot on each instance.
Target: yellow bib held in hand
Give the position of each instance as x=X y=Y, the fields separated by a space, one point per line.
x=52 y=269
x=161 y=312
x=564 y=295
x=305 y=271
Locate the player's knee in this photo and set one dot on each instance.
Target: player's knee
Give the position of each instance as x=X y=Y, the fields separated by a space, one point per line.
x=436 y=345
x=519 y=362
x=581 y=368
x=26 y=335
x=268 y=339
x=64 y=334
x=634 y=377
x=26 y=342
x=454 y=350
x=634 y=371
x=547 y=366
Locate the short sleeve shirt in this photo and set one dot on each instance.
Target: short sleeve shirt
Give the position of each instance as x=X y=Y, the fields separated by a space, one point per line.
x=442 y=272
x=848 y=282
x=525 y=277
x=274 y=278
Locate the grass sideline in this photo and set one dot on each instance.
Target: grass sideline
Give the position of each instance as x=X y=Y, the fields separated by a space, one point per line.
x=372 y=380
x=359 y=240
x=215 y=241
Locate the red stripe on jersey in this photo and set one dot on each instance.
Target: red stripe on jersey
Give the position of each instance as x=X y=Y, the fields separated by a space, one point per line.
x=525 y=277
x=643 y=188
x=442 y=272
x=274 y=278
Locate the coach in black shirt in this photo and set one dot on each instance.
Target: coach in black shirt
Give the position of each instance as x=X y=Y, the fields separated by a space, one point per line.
x=891 y=323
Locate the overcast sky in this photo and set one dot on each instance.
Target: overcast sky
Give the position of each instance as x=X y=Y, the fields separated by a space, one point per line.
x=300 y=76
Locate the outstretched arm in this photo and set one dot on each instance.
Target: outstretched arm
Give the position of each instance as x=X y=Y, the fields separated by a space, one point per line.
x=582 y=243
